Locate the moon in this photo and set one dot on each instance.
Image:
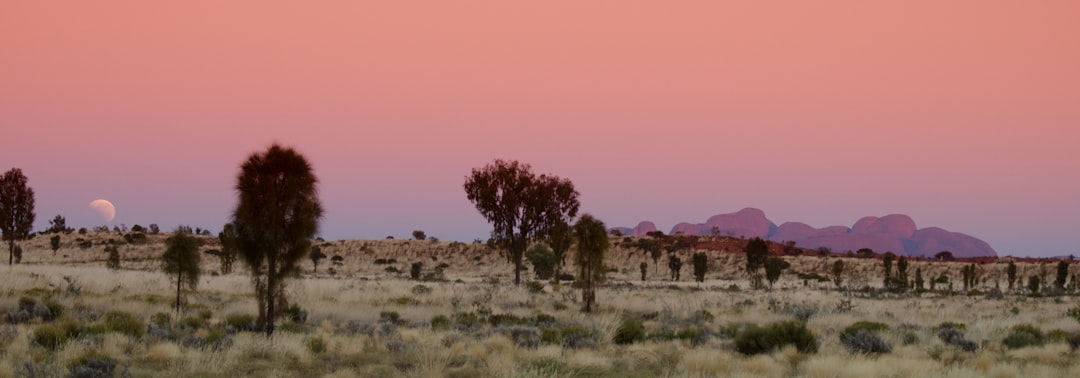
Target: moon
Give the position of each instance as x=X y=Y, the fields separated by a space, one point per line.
x=104 y=208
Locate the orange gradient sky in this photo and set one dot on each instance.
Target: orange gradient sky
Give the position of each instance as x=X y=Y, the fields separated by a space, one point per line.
x=963 y=114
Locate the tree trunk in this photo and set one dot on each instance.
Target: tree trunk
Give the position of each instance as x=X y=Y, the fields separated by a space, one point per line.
x=271 y=280
x=11 y=251
x=179 y=279
x=517 y=269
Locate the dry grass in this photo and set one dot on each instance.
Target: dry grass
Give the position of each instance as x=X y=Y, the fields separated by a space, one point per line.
x=344 y=335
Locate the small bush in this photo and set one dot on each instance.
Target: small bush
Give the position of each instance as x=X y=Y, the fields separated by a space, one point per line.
x=756 y=340
x=505 y=320
x=125 y=323
x=864 y=341
x=193 y=322
x=50 y=337
x=577 y=337
x=316 y=345
x=391 y=317
x=863 y=325
x=296 y=314
x=421 y=290
x=440 y=323
x=630 y=331
x=240 y=322
x=1024 y=335
x=535 y=287
x=56 y=309
x=951 y=335
x=161 y=319
x=92 y=365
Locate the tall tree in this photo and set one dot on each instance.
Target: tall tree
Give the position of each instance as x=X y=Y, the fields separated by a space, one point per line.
x=181 y=259
x=227 y=237
x=277 y=214
x=1062 y=274
x=701 y=266
x=774 y=265
x=592 y=242
x=520 y=205
x=16 y=210
x=756 y=252
x=1010 y=272
x=560 y=238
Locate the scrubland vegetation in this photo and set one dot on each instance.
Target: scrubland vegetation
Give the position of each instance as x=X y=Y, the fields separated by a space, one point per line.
x=365 y=315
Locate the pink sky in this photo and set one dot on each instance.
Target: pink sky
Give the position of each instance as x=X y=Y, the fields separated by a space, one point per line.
x=962 y=114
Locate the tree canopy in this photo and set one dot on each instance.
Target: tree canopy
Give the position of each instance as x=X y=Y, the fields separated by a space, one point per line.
x=520 y=205
x=277 y=214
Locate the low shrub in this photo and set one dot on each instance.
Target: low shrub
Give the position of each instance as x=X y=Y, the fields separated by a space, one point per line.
x=391 y=317
x=577 y=337
x=92 y=364
x=50 y=337
x=240 y=322
x=535 y=287
x=440 y=323
x=125 y=323
x=756 y=339
x=630 y=331
x=1024 y=335
x=421 y=290
x=505 y=320
x=864 y=341
x=863 y=325
x=950 y=334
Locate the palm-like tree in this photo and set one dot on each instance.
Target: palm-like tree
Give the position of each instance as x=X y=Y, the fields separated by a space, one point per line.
x=277 y=214
x=592 y=241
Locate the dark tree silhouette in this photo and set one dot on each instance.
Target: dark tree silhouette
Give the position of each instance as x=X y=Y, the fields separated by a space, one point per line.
x=16 y=211
x=1062 y=274
x=275 y=218
x=419 y=235
x=316 y=255
x=756 y=252
x=58 y=225
x=1011 y=273
x=675 y=265
x=181 y=259
x=701 y=266
x=54 y=243
x=227 y=257
x=520 y=205
x=773 y=267
x=560 y=238
x=592 y=242
x=838 y=272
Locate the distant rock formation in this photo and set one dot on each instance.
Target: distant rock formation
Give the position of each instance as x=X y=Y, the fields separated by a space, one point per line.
x=891 y=233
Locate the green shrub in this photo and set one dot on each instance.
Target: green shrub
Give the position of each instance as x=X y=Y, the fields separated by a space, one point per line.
x=421 y=290
x=440 y=322
x=863 y=325
x=193 y=322
x=50 y=337
x=505 y=320
x=466 y=320
x=390 y=317
x=1058 y=336
x=630 y=331
x=296 y=314
x=1024 y=335
x=691 y=334
x=756 y=340
x=56 y=310
x=316 y=345
x=161 y=319
x=535 y=287
x=125 y=323
x=550 y=336
x=577 y=337
x=92 y=364
x=240 y=322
